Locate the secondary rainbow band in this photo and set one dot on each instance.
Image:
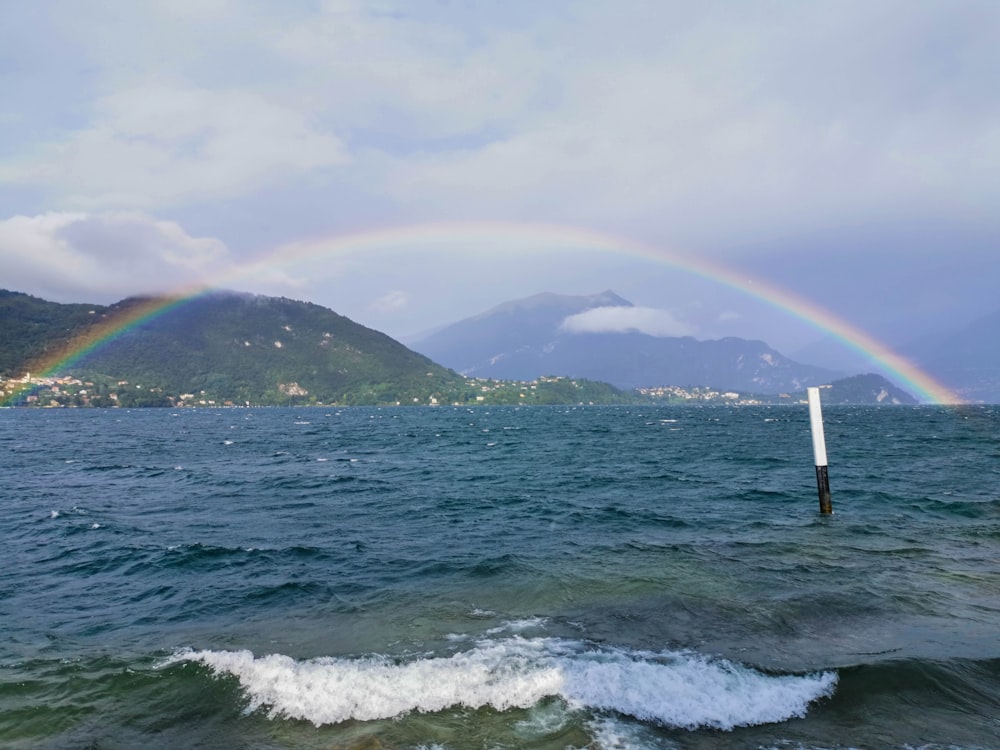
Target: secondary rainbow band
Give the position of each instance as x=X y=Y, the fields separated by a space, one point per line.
x=464 y=236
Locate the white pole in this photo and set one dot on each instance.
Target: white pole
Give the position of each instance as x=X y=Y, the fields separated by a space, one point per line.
x=819 y=451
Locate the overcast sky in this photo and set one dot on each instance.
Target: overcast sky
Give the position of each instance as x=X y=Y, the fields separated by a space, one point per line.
x=847 y=151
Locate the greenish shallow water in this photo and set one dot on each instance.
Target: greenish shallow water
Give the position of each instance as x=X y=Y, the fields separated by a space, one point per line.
x=499 y=578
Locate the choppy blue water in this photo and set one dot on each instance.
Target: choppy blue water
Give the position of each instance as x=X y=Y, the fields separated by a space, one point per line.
x=587 y=577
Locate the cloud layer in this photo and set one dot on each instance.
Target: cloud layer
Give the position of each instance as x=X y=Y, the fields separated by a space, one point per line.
x=726 y=128
x=711 y=124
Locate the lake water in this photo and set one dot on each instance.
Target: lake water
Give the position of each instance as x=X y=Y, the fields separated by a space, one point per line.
x=450 y=578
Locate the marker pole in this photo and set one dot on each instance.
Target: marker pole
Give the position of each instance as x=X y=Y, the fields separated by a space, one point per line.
x=819 y=451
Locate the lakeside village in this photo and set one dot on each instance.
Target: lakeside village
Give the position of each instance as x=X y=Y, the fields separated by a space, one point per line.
x=71 y=392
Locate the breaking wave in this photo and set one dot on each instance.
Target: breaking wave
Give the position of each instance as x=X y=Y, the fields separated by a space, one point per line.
x=677 y=689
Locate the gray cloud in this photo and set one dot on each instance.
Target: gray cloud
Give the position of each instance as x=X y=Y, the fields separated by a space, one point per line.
x=103 y=257
x=723 y=124
x=725 y=128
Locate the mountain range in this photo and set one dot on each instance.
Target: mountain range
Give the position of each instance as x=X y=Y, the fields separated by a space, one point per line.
x=522 y=338
x=526 y=338
x=229 y=347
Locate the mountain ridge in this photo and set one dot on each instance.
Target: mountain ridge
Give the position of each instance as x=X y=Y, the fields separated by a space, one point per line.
x=235 y=348
x=521 y=339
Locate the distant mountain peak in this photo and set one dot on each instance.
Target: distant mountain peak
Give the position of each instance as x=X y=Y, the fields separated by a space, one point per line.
x=608 y=298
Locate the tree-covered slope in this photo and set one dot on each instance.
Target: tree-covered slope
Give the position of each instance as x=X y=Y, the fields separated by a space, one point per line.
x=235 y=347
x=268 y=350
x=30 y=327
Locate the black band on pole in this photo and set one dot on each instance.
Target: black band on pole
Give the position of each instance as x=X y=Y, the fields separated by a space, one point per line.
x=823 y=485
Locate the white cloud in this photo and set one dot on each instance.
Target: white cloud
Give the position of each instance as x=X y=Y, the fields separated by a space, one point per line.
x=75 y=257
x=160 y=144
x=648 y=320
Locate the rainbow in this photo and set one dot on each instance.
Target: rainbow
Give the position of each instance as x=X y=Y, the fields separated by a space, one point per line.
x=489 y=237
x=105 y=330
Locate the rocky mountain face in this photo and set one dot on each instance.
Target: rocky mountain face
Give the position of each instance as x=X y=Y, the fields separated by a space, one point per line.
x=526 y=338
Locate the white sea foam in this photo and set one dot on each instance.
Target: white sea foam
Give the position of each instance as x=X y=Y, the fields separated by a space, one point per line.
x=518 y=626
x=668 y=688
x=611 y=733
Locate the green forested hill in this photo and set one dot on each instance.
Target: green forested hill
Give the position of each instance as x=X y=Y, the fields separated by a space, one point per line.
x=30 y=327
x=226 y=346
x=268 y=350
